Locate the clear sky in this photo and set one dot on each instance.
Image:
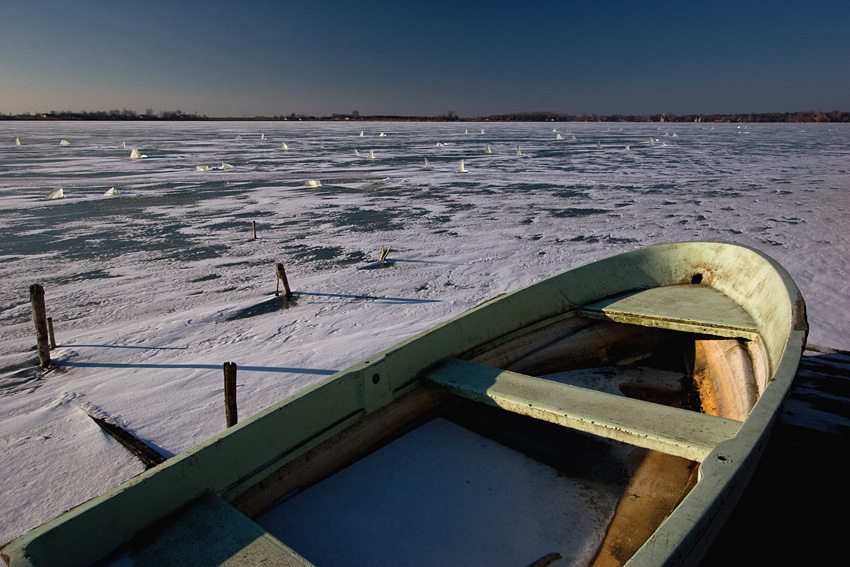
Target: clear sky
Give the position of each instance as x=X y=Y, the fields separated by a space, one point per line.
x=253 y=57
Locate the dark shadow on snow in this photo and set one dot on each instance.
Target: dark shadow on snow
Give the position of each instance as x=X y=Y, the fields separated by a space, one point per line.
x=282 y=302
x=319 y=371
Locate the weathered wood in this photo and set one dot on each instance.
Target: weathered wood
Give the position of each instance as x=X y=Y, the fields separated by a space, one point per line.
x=254 y=227
x=667 y=429
x=230 y=393
x=657 y=483
x=280 y=272
x=39 y=317
x=686 y=307
x=51 y=333
x=146 y=454
x=206 y=532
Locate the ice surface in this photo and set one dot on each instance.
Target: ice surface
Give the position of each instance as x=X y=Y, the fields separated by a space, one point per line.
x=153 y=289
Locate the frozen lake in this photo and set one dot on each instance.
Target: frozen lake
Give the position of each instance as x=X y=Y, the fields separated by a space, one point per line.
x=152 y=289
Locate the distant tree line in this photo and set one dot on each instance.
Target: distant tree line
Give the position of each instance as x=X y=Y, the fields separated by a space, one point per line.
x=801 y=116
x=450 y=116
x=123 y=114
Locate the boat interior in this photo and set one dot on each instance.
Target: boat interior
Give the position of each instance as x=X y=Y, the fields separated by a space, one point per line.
x=620 y=398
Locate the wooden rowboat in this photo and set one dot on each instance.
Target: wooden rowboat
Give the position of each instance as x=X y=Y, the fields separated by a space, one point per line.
x=650 y=380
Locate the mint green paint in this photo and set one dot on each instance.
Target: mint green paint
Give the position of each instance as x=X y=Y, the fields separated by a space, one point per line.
x=220 y=536
x=670 y=430
x=684 y=307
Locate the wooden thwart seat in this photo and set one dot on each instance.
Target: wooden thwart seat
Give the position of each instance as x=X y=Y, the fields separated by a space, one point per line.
x=678 y=432
x=685 y=307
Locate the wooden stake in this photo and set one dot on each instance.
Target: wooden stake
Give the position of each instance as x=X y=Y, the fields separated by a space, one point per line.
x=281 y=277
x=40 y=319
x=50 y=332
x=254 y=226
x=230 y=393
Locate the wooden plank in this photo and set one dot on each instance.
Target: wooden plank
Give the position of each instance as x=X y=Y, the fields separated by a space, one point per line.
x=149 y=456
x=670 y=430
x=686 y=307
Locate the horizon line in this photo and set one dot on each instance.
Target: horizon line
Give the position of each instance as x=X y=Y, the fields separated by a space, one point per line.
x=450 y=116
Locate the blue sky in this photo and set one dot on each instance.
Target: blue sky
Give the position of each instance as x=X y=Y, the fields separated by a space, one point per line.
x=317 y=57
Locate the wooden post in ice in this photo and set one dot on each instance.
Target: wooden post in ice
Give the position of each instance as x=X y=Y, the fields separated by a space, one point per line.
x=254 y=227
x=50 y=332
x=40 y=319
x=281 y=277
x=230 y=393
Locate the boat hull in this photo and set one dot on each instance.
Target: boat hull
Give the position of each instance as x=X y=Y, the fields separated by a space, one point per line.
x=311 y=435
